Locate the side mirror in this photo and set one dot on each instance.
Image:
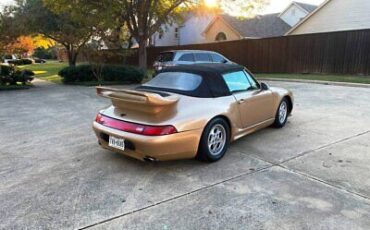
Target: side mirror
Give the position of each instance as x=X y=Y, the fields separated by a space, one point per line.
x=264 y=86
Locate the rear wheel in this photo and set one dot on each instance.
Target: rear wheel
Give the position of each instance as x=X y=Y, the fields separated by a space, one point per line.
x=214 y=141
x=281 y=116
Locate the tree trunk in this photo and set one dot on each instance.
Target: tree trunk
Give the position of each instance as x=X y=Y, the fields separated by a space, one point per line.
x=142 y=53
x=72 y=56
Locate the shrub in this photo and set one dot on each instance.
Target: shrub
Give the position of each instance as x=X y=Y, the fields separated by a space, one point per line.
x=43 y=53
x=79 y=73
x=15 y=62
x=84 y=73
x=10 y=75
x=5 y=70
x=23 y=76
x=21 y=62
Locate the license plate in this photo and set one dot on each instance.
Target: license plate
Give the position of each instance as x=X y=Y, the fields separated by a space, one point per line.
x=118 y=143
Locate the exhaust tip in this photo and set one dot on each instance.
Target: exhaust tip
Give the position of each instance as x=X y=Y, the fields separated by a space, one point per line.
x=150 y=159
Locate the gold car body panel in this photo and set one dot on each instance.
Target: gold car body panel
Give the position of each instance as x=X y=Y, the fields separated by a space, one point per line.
x=260 y=102
x=138 y=100
x=189 y=116
x=181 y=145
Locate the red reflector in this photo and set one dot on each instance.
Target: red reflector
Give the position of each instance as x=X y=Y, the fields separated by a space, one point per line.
x=99 y=118
x=135 y=128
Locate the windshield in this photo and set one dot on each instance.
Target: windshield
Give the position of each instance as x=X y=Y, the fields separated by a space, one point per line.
x=175 y=81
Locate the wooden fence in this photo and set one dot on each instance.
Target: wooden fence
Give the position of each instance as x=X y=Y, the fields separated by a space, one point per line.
x=345 y=52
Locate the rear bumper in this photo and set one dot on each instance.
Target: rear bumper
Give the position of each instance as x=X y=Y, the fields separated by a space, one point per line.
x=183 y=145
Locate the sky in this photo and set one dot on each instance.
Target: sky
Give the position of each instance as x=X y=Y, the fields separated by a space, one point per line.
x=274 y=6
x=5 y=2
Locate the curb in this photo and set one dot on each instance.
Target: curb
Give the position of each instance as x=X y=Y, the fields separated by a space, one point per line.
x=348 y=84
x=42 y=82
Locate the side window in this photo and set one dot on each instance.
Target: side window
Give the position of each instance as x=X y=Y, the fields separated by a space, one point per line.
x=253 y=82
x=187 y=57
x=217 y=58
x=165 y=57
x=202 y=57
x=237 y=81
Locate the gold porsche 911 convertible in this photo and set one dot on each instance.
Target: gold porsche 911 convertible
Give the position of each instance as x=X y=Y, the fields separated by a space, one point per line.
x=191 y=111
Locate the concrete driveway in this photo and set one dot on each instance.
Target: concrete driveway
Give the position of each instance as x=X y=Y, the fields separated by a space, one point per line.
x=313 y=174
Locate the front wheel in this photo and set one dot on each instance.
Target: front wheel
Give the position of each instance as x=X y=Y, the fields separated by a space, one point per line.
x=214 y=141
x=281 y=116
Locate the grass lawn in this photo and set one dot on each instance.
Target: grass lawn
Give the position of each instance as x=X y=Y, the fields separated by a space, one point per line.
x=47 y=71
x=320 y=77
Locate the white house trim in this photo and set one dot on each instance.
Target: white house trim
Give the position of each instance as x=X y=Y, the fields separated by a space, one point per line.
x=307 y=17
x=288 y=7
x=224 y=21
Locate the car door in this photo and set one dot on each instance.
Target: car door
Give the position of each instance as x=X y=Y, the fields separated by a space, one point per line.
x=255 y=105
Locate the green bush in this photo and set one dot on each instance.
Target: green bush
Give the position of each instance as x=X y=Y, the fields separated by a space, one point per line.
x=84 y=73
x=20 y=62
x=15 y=62
x=42 y=53
x=9 y=75
x=5 y=70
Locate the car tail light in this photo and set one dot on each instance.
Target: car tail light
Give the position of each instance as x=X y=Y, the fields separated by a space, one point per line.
x=146 y=130
x=159 y=130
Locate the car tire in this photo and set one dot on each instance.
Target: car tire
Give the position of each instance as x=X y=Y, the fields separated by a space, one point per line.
x=282 y=113
x=214 y=141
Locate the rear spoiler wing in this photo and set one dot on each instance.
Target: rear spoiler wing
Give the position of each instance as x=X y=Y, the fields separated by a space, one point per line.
x=137 y=100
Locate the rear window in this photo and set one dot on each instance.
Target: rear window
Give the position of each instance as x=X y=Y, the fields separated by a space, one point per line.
x=165 y=57
x=202 y=57
x=217 y=58
x=176 y=81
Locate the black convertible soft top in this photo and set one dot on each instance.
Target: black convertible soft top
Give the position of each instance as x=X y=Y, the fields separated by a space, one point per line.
x=212 y=85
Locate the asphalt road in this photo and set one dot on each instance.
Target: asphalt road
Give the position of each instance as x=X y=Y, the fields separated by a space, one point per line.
x=312 y=174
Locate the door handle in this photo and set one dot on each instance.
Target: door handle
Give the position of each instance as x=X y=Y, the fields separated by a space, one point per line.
x=241 y=101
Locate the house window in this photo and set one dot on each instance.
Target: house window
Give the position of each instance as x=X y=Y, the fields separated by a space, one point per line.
x=160 y=36
x=221 y=37
x=293 y=12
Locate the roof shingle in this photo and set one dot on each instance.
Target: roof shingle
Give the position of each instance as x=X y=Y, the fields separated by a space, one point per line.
x=261 y=26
